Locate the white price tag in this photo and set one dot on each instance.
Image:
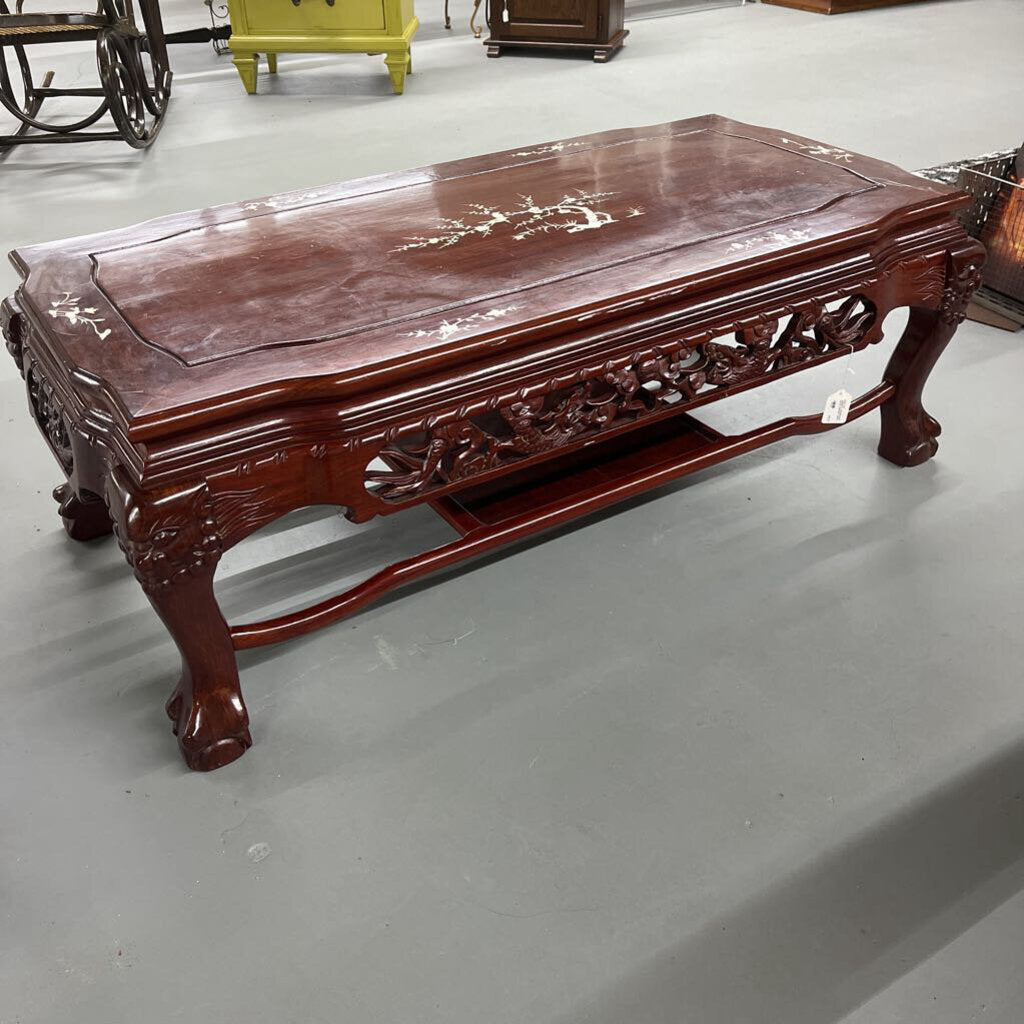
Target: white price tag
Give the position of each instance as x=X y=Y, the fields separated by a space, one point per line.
x=837 y=407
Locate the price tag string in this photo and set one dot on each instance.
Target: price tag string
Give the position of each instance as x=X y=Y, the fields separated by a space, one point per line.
x=837 y=405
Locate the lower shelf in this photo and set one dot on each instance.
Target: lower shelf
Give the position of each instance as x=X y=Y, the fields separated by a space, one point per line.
x=546 y=495
x=558 y=480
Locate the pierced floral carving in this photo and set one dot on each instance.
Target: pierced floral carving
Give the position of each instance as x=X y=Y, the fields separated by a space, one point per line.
x=961 y=283
x=617 y=392
x=49 y=414
x=68 y=307
x=818 y=330
x=573 y=213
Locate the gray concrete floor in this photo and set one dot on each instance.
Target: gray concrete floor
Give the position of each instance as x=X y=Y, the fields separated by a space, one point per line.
x=749 y=750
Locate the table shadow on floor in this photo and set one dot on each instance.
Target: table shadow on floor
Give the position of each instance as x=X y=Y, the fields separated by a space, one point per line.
x=816 y=944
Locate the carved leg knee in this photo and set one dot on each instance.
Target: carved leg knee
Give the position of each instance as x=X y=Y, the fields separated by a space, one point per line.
x=85 y=516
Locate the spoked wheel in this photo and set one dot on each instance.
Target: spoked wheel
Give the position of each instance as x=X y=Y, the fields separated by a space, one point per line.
x=137 y=97
x=156 y=72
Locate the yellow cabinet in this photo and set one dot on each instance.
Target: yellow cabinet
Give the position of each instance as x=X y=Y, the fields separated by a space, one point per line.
x=271 y=27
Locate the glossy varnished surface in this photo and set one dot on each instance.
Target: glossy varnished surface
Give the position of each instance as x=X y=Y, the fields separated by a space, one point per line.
x=516 y=360
x=645 y=722
x=329 y=286
x=385 y=267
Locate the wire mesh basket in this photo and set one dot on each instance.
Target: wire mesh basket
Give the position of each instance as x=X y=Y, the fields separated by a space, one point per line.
x=996 y=219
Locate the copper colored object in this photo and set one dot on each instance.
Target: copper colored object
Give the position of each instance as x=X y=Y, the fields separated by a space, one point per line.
x=996 y=218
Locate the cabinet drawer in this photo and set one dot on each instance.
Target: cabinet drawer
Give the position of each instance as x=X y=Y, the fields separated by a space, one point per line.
x=267 y=17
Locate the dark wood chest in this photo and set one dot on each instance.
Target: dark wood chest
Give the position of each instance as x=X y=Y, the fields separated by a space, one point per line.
x=588 y=25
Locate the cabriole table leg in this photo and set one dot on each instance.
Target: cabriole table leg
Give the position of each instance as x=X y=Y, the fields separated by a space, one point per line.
x=909 y=434
x=168 y=542
x=206 y=708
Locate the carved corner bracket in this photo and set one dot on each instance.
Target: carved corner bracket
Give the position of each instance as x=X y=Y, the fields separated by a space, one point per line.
x=165 y=540
x=170 y=538
x=963 y=277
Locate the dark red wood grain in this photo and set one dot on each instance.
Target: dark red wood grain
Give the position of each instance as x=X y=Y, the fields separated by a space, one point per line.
x=517 y=340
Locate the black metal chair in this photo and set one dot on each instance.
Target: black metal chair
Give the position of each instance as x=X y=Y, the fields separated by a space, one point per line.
x=134 y=73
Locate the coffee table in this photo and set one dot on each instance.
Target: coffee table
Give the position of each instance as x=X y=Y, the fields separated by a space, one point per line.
x=516 y=340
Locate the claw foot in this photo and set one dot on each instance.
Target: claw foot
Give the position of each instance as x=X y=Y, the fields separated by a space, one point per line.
x=84 y=518
x=211 y=733
x=907 y=445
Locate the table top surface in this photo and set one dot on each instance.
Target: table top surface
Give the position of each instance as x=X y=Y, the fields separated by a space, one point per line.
x=338 y=288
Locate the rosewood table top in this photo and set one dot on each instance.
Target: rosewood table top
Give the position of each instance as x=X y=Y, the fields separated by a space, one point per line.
x=341 y=287
x=515 y=340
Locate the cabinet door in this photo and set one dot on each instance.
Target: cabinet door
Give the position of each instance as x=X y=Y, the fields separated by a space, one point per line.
x=550 y=19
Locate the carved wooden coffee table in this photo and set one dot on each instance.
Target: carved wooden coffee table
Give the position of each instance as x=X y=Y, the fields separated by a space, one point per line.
x=516 y=340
